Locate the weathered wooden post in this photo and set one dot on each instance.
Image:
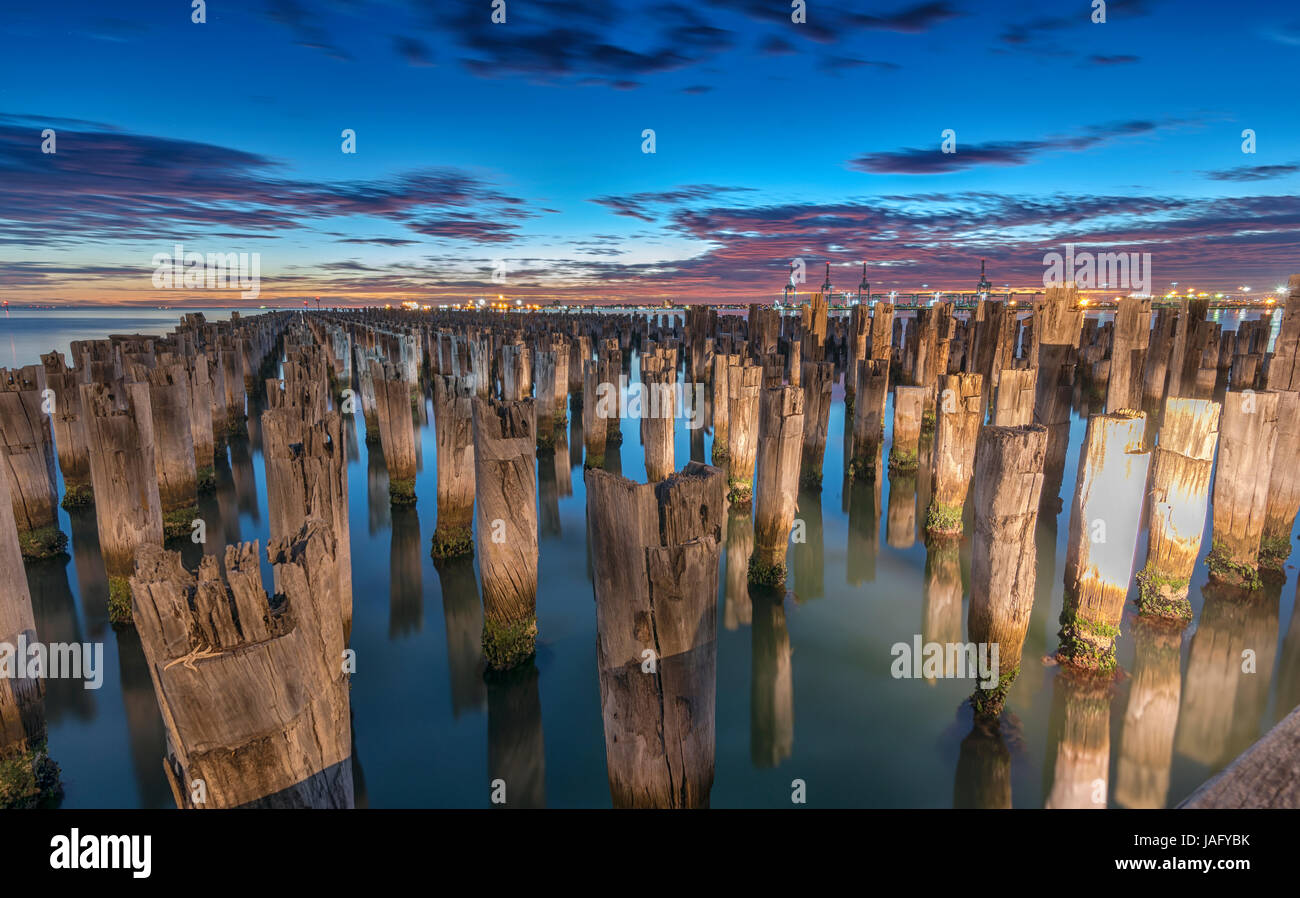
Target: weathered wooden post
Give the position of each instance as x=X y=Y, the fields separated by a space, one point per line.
x=1283 y=487
x=453 y=420
x=869 y=417
x=722 y=365
x=169 y=409
x=505 y=484
x=960 y=409
x=655 y=550
x=1181 y=466
x=744 y=383
x=1004 y=562
x=397 y=433
x=780 y=443
x=1017 y=392
x=28 y=778
x=1128 y=354
x=69 y=431
x=254 y=692
x=657 y=411
x=1247 y=444
x=120 y=428
x=201 y=404
x=595 y=384
x=909 y=408
x=817 y=381
x=1104 y=523
x=25 y=434
x=306 y=477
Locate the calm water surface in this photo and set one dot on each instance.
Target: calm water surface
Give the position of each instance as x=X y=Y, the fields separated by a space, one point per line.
x=804 y=689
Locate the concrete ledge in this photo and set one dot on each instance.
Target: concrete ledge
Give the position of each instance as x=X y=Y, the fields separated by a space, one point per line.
x=1266 y=775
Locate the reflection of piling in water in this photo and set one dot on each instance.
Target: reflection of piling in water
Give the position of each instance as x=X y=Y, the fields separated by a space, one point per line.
x=516 y=747
x=378 y=505
x=144 y=724
x=505 y=458
x=959 y=413
x=1283 y=487
x=28 y=777
x=771 y=696
x=1079 y=741
x=658 y=379
x=1181 y=468
x=869 y=418
x=817 y=381
x=396 y=432
x=864 y=498
x=453 y=421
x=127 y=506
x=809 y=556
x=1128 y=355
x=1227 y=689
x=983 y=778
x=1104 y=522
x=941 y=594
x=737 y=609
x=211 y=665
x=55 y=612
x=1247 y=443
x=655 y=550
x=406 y=578
x=1147 y=741
x=900 y=516
x=744 y=383
x=780 y=443
x=1288 y=668
x=243 y=475
x=70 y=430
x=1008 y=480
x=29 y=446
x=463 y=617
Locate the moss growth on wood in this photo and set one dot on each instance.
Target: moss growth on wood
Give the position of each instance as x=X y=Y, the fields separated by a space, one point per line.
x=1225 y=569
x=1163 y=596
x=207 y=480
x=452 y=542
x=78 y=495
x=764 y=575
x=594 y=461
x=402 y=492
x=990 y=702
x=179 y=523
x=1085 y=643
x=1273 y=553
x=902 y=461
x=509 y=645
x=740 y=492
x=811 y=477
x=942 y=519
x=119 y=601
x=47 y=542
x=29 y=780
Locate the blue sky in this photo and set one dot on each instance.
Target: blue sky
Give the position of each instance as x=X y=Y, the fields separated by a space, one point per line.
x=521 y=142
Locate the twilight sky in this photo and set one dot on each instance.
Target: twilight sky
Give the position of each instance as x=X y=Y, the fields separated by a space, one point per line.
x=518 y=146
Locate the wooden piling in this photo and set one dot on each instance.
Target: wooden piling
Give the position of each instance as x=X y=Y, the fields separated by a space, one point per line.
x=1181 y=466
x=744 y=383
x=397 y=432
x=1283 y=487
x=959 y=414
x=169 y=408
x=655 y=551
x=1008 y=480
x=505 y=485
x=909 y=409
x=817 y=382
x=453 y=420
x=127 y=507
x=253 y=690
x=780 y=444
x=25 y=434
x=1104 y=523
x=1247 y=443
x=869 y=418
